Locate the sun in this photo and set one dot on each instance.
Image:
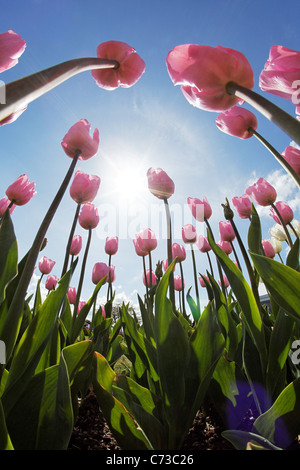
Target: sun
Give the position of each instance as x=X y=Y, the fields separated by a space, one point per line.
x=130 y=180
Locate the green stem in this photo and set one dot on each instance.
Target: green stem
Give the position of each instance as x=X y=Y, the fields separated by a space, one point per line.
x=169 y=250
x=10 y=328
x=288 y=237
x=293 y=230
x=218 y=263
x=195 y=274
x=25 y=90
x=79 y=289
x=283 y=120
x=236 y=256
x=182 y=292
x=109 y=280
x=145 y=276
x=277 y=155
x=65 y=266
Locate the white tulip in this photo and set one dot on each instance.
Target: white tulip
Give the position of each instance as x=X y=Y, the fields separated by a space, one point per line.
x=276 y=244
x=277 y=231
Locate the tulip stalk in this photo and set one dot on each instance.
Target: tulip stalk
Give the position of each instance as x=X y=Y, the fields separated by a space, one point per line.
x=283 y=120
x=65 y=265
x=109 y=288
x=80 y=283
x=195 y=276
x=182 y=291
x=27 y=89
x=218 y=263
x=169 y=249
x=20 y=293
x=288 y=237
x=277 y=155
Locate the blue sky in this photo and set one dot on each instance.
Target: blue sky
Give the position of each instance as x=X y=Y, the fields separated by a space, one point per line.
x=150 y=124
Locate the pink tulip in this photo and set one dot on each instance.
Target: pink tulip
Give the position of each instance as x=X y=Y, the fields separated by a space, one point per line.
x=201 y=210
x=148 y=278
x=71 y=295
x=262 y=192
x=46 y=265
x=178 y=283
x=51 y=282
x=88 y=216
x=81 y=304
x=178 y=251
x=138 y=249
x=4 y=203
x=292 y=156
x=103 y=311
x=146 y=240
x=225 y=246
x=160 y=184
x=100 y=270
x=165 y=263
x=131 y=66
x=203 y=244
x=268 y=248
x=201 y=280
x=284 y=210
x=243 y=206
x=280 y=72
x=226 y=283
x=236 y=122
x=204 y=71
x=226 y=231
x=21 y=191
x=12 y=117
x=12 y=47
x=189 y=234
x=84 y=187
x=111 y=245
x=112 y=273
x=78 y=139
x=76 y=245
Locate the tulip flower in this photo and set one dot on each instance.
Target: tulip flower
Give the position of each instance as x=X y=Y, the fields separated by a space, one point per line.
x=111 y=245
x=262 y=192
x=277 y=232
x=201 y=210
x=189 y=234
x=178 y=283
x=225 y=246
x=88 y=217
x=160 y=184
x=100 y=270
x=78 y=140
x=294 y=227
x=84 y=187
x=71 y=295
x=46 y=265
x=112 y=273
x=138 y=249
x=226 y=231
x=150 y=279
x=103 y=311
x=203 y=244
x=12 y=47
x=280 y=72
x=81 y=304
x=238 y=122
x=129 y=71
x=201 y=280
x=6 y=204
x=276 y=245
x=76 y=245
x=226 y=282
x=285 y=211
x=268 y=248
x=243 y=206
x=178 y=251
x=12 y=117
x=51 y=282
x=204 y=71
x=292 y=156
x=21 y=191
x=146 y=240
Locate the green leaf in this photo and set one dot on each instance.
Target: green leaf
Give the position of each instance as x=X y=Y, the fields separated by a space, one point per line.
x=123 y=426
x=32 y=344
x=195 y=309
x=292 y=259
x=280 y=424
x=246 y=299
x=172 y=348
x=282 y=281
x=241 y=439
x=8 y=254
x=5 y=442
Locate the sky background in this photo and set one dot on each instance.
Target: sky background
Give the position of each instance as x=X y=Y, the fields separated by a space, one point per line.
x=148 y=125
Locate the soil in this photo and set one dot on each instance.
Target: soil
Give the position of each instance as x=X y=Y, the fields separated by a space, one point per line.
x=91 y=431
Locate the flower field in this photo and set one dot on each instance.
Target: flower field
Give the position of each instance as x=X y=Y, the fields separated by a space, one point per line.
x=153 y=369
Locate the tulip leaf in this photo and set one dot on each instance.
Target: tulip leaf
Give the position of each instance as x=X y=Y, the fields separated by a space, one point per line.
x=281 y=281
x=280 y=424
x=125 y=429
x=195 y=308
x=241 y=440
x=246 y=299
x=8 y=254
x=292 y=259
x=5 y=442
x=32 y=344
x=254 y=233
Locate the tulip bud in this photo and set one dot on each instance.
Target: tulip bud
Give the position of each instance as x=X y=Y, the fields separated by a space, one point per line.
x=228 y=212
